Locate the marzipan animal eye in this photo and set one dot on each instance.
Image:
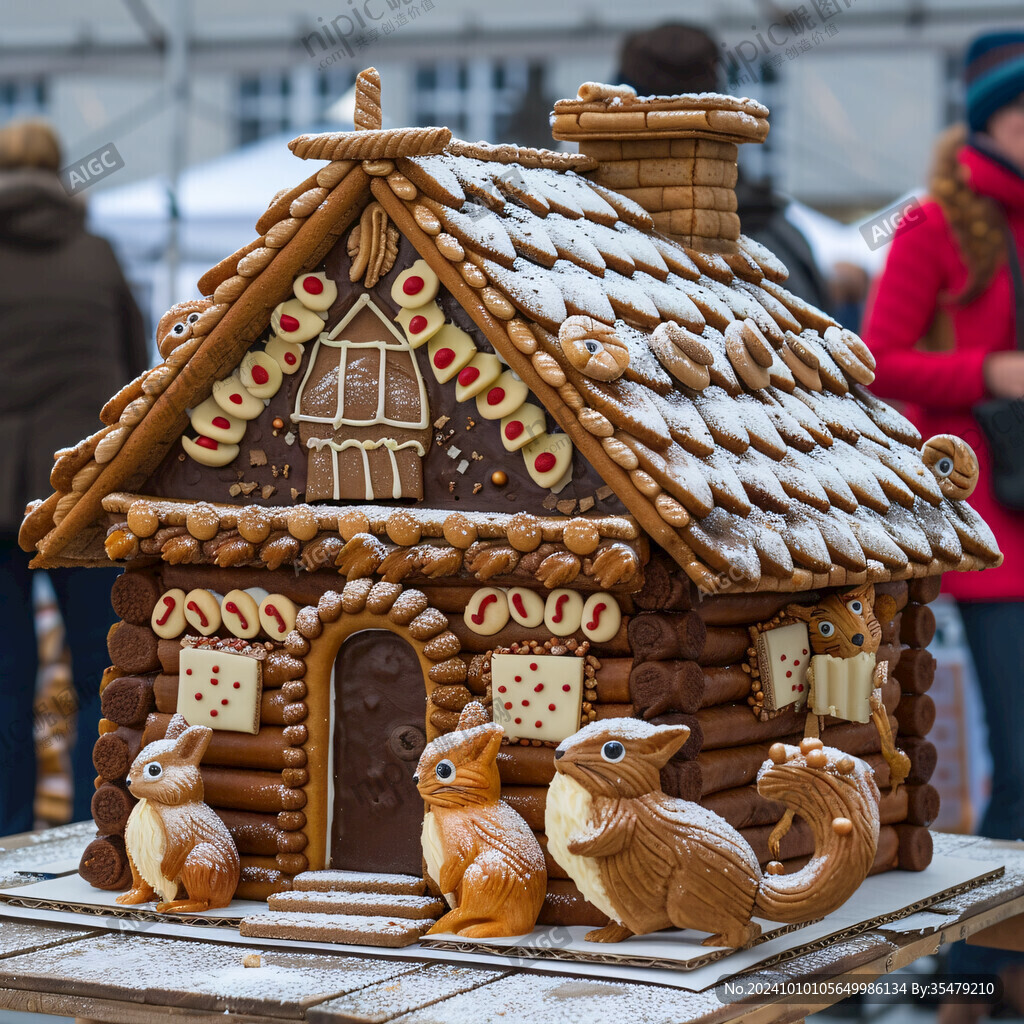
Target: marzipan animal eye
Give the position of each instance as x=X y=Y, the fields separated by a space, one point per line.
x=445 y=771
x=193 y=317
x=613 y=751
x=153 y=770
x=826 y=628
x=855 y=606
x=179 y=328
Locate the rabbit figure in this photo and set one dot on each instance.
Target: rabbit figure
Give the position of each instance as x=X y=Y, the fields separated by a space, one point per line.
x=483 y=856
x=174 y=840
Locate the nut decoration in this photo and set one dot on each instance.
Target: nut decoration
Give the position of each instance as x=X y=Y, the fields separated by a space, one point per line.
x=749 y=354
x=954 y=463
x=593 y=348
x=683 y=354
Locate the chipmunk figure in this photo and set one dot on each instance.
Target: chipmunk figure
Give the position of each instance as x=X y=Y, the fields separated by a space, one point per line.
x=173 y=839
x=845 y=635
x=650 y=861
x=483 y=856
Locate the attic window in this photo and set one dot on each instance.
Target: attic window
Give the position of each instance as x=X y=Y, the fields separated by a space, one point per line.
x=362 y=411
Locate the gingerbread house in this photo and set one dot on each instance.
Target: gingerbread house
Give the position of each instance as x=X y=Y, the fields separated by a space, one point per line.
x=483 y=422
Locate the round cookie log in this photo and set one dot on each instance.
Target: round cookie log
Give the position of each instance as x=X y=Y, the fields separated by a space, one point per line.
x=915 y=847
x=659 y=686
x=240 y=789
x=526 y=766
x=111 y=804
x=666 y=588
x=134 y=596
x=258 y=883
x=725 y=645
x=528 y=802
x=682 y=779
x=612 y=679
x=689 y=750
x=664 y=636
x=553 y=868
x=917 y=627
x=260 y=834
x=924 y=590
x=745 y=609
x=916 y=670
x=133 y=648
x=268 y=749
x=922 y=804
x=104 y=864
x=113 y=753
x=923 y=757
x=916 y=714
x=127 y=700
x=168 y=653
x=565 y=905
x=724 y=685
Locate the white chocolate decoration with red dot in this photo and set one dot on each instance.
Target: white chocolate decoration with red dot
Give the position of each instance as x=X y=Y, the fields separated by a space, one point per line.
x=288 y=357
x=477 y=375
x=277 y=616
x=210 y=420
x=315 y=291
x=525 y=606
x=524 y=425
x=240 y=614
x=783 y=657
x=260 y=374
x=601 y=619
x=503 y=397
x=548 y=459
x=563 y=612
x=449 y=351
x=421 y=323
x=487 y=611
x=415 y=287
x=293 y=322
x=168 y=618
x=537 y=696
x=202 y=611
x=220 y=689
x=208 y=452
x=235 y=399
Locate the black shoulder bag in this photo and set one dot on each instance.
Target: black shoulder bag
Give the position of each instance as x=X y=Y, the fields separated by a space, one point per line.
x=1002 y=419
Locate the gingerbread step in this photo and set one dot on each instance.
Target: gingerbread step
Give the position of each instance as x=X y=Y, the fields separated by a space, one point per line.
x=359 y=881
x=346 y=928
x=369 y=904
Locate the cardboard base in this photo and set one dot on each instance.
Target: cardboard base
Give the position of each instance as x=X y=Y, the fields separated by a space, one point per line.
x=674 y=958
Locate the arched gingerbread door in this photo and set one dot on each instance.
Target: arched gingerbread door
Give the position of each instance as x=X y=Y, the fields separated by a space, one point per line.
x=379 y=703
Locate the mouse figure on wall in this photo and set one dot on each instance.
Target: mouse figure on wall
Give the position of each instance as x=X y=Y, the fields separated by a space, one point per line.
x=650 y=861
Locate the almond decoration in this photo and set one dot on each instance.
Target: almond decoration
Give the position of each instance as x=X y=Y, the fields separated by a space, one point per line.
x=593 y=348
x=748 y=351
x=852 y=355
x=372 y=246
x=954 y=463
x=682 y=354
x=802 y=362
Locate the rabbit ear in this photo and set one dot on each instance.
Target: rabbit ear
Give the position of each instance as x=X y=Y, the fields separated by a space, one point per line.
x=175 y=727
x=486 y=741
x=473 y=714
x=670 y=739
x=192 y=743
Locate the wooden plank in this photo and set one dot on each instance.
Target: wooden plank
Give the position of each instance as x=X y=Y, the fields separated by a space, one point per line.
x=415 y=990
x=1006 y=934
x=19 y=936
x=196 y=975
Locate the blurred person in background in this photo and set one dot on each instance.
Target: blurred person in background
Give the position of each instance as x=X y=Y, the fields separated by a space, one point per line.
x=70 y=336
x=942 y=324
x=676 y=58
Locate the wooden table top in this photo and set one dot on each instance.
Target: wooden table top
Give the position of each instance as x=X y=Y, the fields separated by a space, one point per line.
x=127 y=976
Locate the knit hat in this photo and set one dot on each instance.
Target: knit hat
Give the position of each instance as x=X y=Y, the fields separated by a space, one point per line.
x=994 y=75
x=669 y=60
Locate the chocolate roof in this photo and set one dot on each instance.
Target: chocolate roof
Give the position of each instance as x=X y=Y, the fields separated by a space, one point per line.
x=783 y=473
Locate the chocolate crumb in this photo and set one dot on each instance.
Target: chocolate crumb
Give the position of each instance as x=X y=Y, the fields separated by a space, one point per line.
x=470 y=423
x=567 y=506
x=604 y=492
x=268 y=491
x=441 y=421
x=257 y=457
x=295 y=494
x=274 y=472
x=287 y=469
x=248 y=488
x=476 y=456
x=234 y=490
x=586 y=504
x=549 y=502
x=477 y=488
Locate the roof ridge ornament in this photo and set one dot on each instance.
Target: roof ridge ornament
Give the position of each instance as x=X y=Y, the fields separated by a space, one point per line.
x=367 y=114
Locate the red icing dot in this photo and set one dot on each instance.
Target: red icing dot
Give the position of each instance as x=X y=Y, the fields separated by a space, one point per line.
x=224 y=701
x=235 y=397
x=782 y=657
x=519 y=679
x=188 y=671
x=213 y=713
x=495 y=396
x=444 y=357
x=537 y=725
x=216 y=668
x=538 y=688
x=519 y=721
x=800 y=688
x=544 y=463
x=468 y=375
x=526 y=703
x=236 y=685
x=199 y=696
x=502 y=689
x=805 y=650
x=513 y=429
x=566 y=687
x=221 y=423
x=788 y=674
x=508 y=705
x=313 y=285
x=260 y=375
x=207 y=442
x=289 y=323
x=533 y=666
x=214 y=682
x=290 y=358
x=417 y=324
x=412 y=285
x=551 y=707
x=796 y=661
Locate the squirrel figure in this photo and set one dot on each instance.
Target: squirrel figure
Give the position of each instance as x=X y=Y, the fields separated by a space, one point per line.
x=650 y=861
x=174 y=841
x=482 y=855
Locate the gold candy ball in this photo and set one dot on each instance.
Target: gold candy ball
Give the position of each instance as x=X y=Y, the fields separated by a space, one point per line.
x=499 y=478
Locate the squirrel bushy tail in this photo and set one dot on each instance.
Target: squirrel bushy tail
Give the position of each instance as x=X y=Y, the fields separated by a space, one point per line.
x=836 y=795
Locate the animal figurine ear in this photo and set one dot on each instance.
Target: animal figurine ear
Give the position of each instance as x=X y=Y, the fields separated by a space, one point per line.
x=487 y=741
x=865 y=593
x=192 y=743
x=800 y=611
x=473 y=714
x=669 y=740
x=884 y=607
x=175 y=727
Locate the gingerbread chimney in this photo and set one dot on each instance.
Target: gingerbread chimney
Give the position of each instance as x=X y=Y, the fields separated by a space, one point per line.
x=674 y=155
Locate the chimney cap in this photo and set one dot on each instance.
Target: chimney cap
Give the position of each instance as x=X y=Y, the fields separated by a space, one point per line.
x=615 y=112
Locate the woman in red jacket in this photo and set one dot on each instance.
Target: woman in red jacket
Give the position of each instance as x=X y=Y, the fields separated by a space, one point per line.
x=942 y=326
